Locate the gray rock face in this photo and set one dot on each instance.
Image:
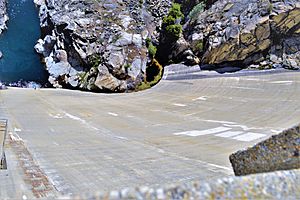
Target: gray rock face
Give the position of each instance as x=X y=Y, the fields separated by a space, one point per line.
x=103 y=41
x=3 y=15
x=246 y=32
x=280 y=152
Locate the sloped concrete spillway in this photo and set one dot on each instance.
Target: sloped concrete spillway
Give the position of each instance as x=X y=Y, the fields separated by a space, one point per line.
x=183 y=129
x=20 y=61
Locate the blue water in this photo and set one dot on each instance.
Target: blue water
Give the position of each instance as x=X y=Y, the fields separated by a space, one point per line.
x=20 y=61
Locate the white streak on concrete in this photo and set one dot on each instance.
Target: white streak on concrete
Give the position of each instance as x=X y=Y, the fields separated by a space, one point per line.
x=252 y=79
x=155 y=110
x=190 y=114
x=17 y=130
x=246 y=88
x=249 y=137
x=245 y=128
x=155 y=125
x=15 y=137
x=81 y=121
x=121 y=138
x=203 y=98
x=234 y=78
x=219 y=166
x=282 y=82
x=179 y=105
x=113 y=114
x=227 y=169
x=229 y=134
x=221 y=122
x=57 y=116
x=276 y=131
x=55 y=143
x=195 y=133
x=161 y=151
x=74 y=117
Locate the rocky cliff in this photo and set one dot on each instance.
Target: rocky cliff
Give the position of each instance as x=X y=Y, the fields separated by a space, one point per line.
x=104 y=45
x=255 y=33
x=98 y=45
x=3 y=15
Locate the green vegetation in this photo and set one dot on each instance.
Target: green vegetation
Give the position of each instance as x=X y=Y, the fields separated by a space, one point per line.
x=127 y=66
x=154 y=74
x=116 y=38
x=174 y=30
x=148 y=41
x=199 y=46
x=171 y=23
x=196 y=10
x=94 y=60
x=83 y=77
x=174 y=14
x=271 y=7
x=151 y=48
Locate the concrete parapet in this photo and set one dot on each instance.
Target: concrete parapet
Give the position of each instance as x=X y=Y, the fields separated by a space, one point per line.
x=280 y=152
x=275 y=185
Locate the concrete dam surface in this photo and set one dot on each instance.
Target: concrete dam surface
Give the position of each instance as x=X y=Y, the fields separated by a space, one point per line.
x=197 y=134
x=63 y=142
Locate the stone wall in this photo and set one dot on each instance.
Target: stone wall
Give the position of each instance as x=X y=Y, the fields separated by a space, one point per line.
x=280 y=152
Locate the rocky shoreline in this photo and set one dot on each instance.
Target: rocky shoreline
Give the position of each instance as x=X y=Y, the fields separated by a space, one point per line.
x=3 y=19
x=3 y=16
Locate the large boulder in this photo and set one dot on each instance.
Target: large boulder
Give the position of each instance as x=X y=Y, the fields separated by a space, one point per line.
x=245 y=32
x=104 y=41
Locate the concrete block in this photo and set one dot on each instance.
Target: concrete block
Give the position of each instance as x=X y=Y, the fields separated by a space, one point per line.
x=280 y=152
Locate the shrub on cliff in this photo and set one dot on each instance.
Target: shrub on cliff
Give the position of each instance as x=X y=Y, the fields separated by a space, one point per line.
x=151 y=48
x=171 y=23
x=154 y=74
x=175 y=11
x=174 y=31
